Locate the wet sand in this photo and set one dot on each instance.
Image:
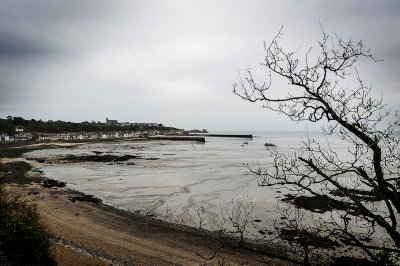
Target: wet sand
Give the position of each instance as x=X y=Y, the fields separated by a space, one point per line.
x=85 y=233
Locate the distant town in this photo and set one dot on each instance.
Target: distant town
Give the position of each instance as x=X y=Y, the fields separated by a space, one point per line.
x=19 y=129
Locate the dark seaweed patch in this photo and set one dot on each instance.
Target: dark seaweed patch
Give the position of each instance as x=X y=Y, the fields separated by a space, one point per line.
x=87 y=198
x=319 y=204
x=107 y=158
x=98 y=158
x=14 y=172
x=50 y=183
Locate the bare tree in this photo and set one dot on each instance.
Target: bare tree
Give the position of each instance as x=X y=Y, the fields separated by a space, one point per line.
x=238 y=216
x=365 y=182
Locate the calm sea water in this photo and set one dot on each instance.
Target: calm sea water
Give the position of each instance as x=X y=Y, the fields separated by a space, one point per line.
x=185 y=178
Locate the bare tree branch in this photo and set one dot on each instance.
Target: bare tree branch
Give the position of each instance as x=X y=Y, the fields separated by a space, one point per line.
x=367 y=180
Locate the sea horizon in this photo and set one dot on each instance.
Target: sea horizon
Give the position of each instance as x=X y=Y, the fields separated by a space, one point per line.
x=268 y=132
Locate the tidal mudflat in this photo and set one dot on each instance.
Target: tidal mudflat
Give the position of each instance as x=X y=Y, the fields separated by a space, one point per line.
x=177 y=181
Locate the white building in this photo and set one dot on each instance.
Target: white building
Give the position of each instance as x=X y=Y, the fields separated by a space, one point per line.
x=19 y=129
x=4 y=137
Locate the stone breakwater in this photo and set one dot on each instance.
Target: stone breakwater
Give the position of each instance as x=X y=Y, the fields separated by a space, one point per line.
x=189 y=138
x=249 y=136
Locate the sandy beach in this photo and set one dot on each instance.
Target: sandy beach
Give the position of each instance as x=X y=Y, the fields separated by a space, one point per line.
x=87 y=233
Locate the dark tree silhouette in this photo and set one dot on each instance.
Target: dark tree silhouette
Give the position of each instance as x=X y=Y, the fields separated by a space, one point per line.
x=366 y=182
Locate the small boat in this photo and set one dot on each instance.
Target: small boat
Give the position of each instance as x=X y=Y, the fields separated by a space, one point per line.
x=246 y=142
x=269 y=144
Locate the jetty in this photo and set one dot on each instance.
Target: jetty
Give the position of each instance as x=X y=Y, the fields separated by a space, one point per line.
x=249 y=136
x=172 y=137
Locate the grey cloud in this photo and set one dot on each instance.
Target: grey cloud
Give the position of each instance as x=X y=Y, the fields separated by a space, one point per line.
x=49 y=28
x=167 y=60
x=14 y=47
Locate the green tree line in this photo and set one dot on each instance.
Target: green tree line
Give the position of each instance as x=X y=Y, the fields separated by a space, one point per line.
x=36 y=126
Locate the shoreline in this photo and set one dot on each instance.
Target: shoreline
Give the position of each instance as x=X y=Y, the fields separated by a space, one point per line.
x=102 y=234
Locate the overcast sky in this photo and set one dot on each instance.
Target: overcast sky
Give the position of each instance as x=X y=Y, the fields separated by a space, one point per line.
x=172 y=62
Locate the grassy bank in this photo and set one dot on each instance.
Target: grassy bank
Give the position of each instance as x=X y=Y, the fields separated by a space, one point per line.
x=21 y=243
x=22 y=239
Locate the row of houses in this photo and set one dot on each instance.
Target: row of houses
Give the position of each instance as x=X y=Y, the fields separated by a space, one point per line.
x=17 y=137
x=20 y=135
x=90 y=135
x=26 y=136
